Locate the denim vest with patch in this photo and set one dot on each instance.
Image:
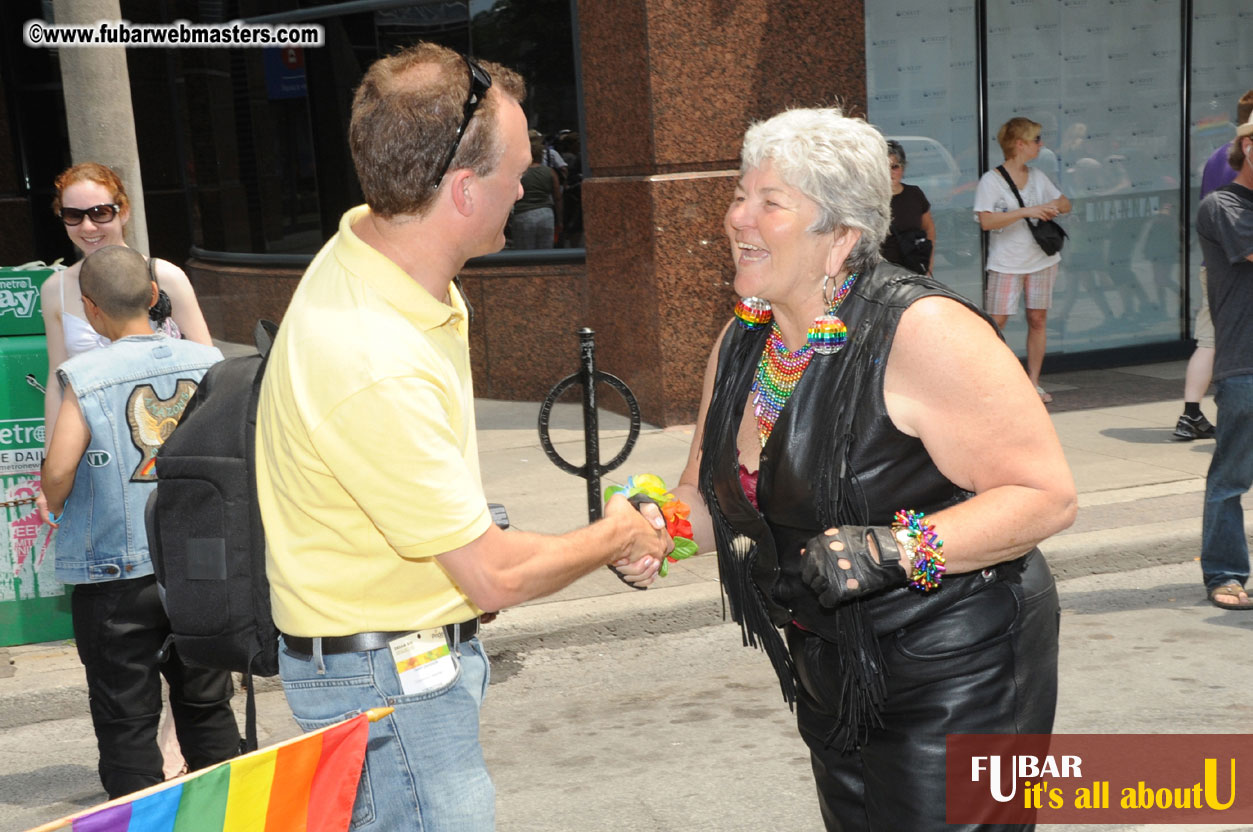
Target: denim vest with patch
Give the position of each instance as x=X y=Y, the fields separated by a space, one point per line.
x=132 y=394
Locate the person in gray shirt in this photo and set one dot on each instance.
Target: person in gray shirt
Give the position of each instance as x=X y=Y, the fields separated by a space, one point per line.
x=1224 y=226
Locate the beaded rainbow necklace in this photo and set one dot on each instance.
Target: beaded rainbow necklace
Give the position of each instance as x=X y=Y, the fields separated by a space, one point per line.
x=780 y=370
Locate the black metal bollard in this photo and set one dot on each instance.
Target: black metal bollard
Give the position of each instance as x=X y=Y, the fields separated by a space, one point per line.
x=588 y=376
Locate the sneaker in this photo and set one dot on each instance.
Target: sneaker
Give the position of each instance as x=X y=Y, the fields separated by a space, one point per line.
x=1190 y=428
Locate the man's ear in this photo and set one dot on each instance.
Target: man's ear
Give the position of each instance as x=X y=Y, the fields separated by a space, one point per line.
x=156 y=294
x=461 y=189
x=95 y=315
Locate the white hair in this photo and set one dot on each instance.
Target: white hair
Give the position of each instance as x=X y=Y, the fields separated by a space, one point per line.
x=840 y=163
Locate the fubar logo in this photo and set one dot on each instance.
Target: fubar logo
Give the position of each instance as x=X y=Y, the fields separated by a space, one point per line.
x=1027 y=766
x=1096 y=778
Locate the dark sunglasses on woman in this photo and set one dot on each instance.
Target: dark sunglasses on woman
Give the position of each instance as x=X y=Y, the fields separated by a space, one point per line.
x=99 y=214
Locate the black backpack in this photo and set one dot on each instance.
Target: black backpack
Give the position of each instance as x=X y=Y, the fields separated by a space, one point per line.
x=204 y=527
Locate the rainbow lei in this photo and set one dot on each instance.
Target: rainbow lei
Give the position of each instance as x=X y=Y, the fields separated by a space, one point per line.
x=675 y=511
x=925 y=550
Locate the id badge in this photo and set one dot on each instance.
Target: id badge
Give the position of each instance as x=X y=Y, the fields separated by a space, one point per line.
x=423 y=661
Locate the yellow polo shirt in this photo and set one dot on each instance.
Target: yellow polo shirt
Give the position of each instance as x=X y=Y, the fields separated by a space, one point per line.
x=367 y=465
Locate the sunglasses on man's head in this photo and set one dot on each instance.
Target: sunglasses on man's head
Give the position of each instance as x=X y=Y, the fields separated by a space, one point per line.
x=480 y=83
x=99 y=214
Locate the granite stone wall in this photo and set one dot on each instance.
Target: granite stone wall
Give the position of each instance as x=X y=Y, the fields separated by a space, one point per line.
x=669 y=88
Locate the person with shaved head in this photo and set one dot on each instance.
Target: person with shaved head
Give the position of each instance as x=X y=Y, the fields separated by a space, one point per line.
x=118 y=405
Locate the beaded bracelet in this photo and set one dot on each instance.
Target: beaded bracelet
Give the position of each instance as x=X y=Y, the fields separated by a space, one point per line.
x=923 y=548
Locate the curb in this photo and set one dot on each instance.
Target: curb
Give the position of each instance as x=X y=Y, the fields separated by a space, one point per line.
x=58 y=691
x=657 y=613
x=1114 y=550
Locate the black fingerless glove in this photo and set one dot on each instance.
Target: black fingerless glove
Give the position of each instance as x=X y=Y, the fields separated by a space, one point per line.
x=821 y=571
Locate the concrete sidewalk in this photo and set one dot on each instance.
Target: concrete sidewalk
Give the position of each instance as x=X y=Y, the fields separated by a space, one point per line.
x=1140 y=504
x=1140 y=494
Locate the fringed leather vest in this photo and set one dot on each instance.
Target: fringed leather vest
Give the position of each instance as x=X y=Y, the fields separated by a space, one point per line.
x=833 y=457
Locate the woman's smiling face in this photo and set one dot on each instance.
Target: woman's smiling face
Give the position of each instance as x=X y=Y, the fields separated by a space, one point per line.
x=776 y=255
x=87 y=235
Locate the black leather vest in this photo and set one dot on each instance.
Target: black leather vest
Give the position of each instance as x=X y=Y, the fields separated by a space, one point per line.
x=834 y=457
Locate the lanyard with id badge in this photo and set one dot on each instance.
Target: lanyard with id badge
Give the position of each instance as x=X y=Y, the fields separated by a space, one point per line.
x=423 y=660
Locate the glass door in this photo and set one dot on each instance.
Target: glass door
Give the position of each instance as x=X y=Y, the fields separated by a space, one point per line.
x=1222 y=72
x=922 y=83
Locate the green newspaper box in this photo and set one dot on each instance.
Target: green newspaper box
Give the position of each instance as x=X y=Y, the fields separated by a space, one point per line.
x=20 y=310
x=34 y=606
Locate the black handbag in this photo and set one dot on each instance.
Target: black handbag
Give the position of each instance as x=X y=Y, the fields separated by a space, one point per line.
x=1049 y=235
x=915 y=249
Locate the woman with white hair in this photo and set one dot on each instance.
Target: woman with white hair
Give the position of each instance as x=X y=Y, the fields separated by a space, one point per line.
x=875 y=472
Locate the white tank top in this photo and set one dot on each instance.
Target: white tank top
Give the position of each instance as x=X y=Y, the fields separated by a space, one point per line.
x=79 y=336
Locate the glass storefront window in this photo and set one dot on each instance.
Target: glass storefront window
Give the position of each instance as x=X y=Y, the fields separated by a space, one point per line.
x=266 y=130
x=922 y=82
x=1222 y=71
x=1103 y=78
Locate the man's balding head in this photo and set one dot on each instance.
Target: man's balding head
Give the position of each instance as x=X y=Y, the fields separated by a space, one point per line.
x=405 y=116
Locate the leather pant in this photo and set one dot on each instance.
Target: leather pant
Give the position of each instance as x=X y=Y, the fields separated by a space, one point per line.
x=985 y=664
x=120 y=626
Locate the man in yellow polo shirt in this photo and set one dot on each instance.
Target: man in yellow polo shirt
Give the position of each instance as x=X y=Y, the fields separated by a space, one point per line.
x=381 y=550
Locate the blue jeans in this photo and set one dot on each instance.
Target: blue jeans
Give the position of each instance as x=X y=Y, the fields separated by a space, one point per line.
x=424 y=768
x=1224 y=547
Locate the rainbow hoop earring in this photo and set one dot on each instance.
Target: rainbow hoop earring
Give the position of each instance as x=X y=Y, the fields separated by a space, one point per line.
x=753 y=313
x=828 y=334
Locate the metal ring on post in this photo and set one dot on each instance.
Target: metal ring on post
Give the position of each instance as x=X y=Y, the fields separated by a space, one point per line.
x=545 y=413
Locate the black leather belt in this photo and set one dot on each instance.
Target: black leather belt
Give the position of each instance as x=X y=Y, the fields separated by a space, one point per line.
x=332 y=645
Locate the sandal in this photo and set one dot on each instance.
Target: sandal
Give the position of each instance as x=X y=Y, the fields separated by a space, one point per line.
x=1044 y=394
x=1231 y=589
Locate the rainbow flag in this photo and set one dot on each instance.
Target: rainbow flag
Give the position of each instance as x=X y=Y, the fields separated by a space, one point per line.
x=306 y=783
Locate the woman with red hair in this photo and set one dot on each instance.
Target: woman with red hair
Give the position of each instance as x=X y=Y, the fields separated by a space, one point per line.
x=92 y=202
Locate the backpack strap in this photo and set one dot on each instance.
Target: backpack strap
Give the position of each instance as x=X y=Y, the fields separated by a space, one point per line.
x=1009 y=179
x=249 y=742
x=263 y=335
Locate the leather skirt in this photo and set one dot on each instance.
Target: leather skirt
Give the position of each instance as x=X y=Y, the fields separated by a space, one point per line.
x=984 y=664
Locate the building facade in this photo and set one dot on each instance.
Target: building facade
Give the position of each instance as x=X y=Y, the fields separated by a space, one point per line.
x=246 y=170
